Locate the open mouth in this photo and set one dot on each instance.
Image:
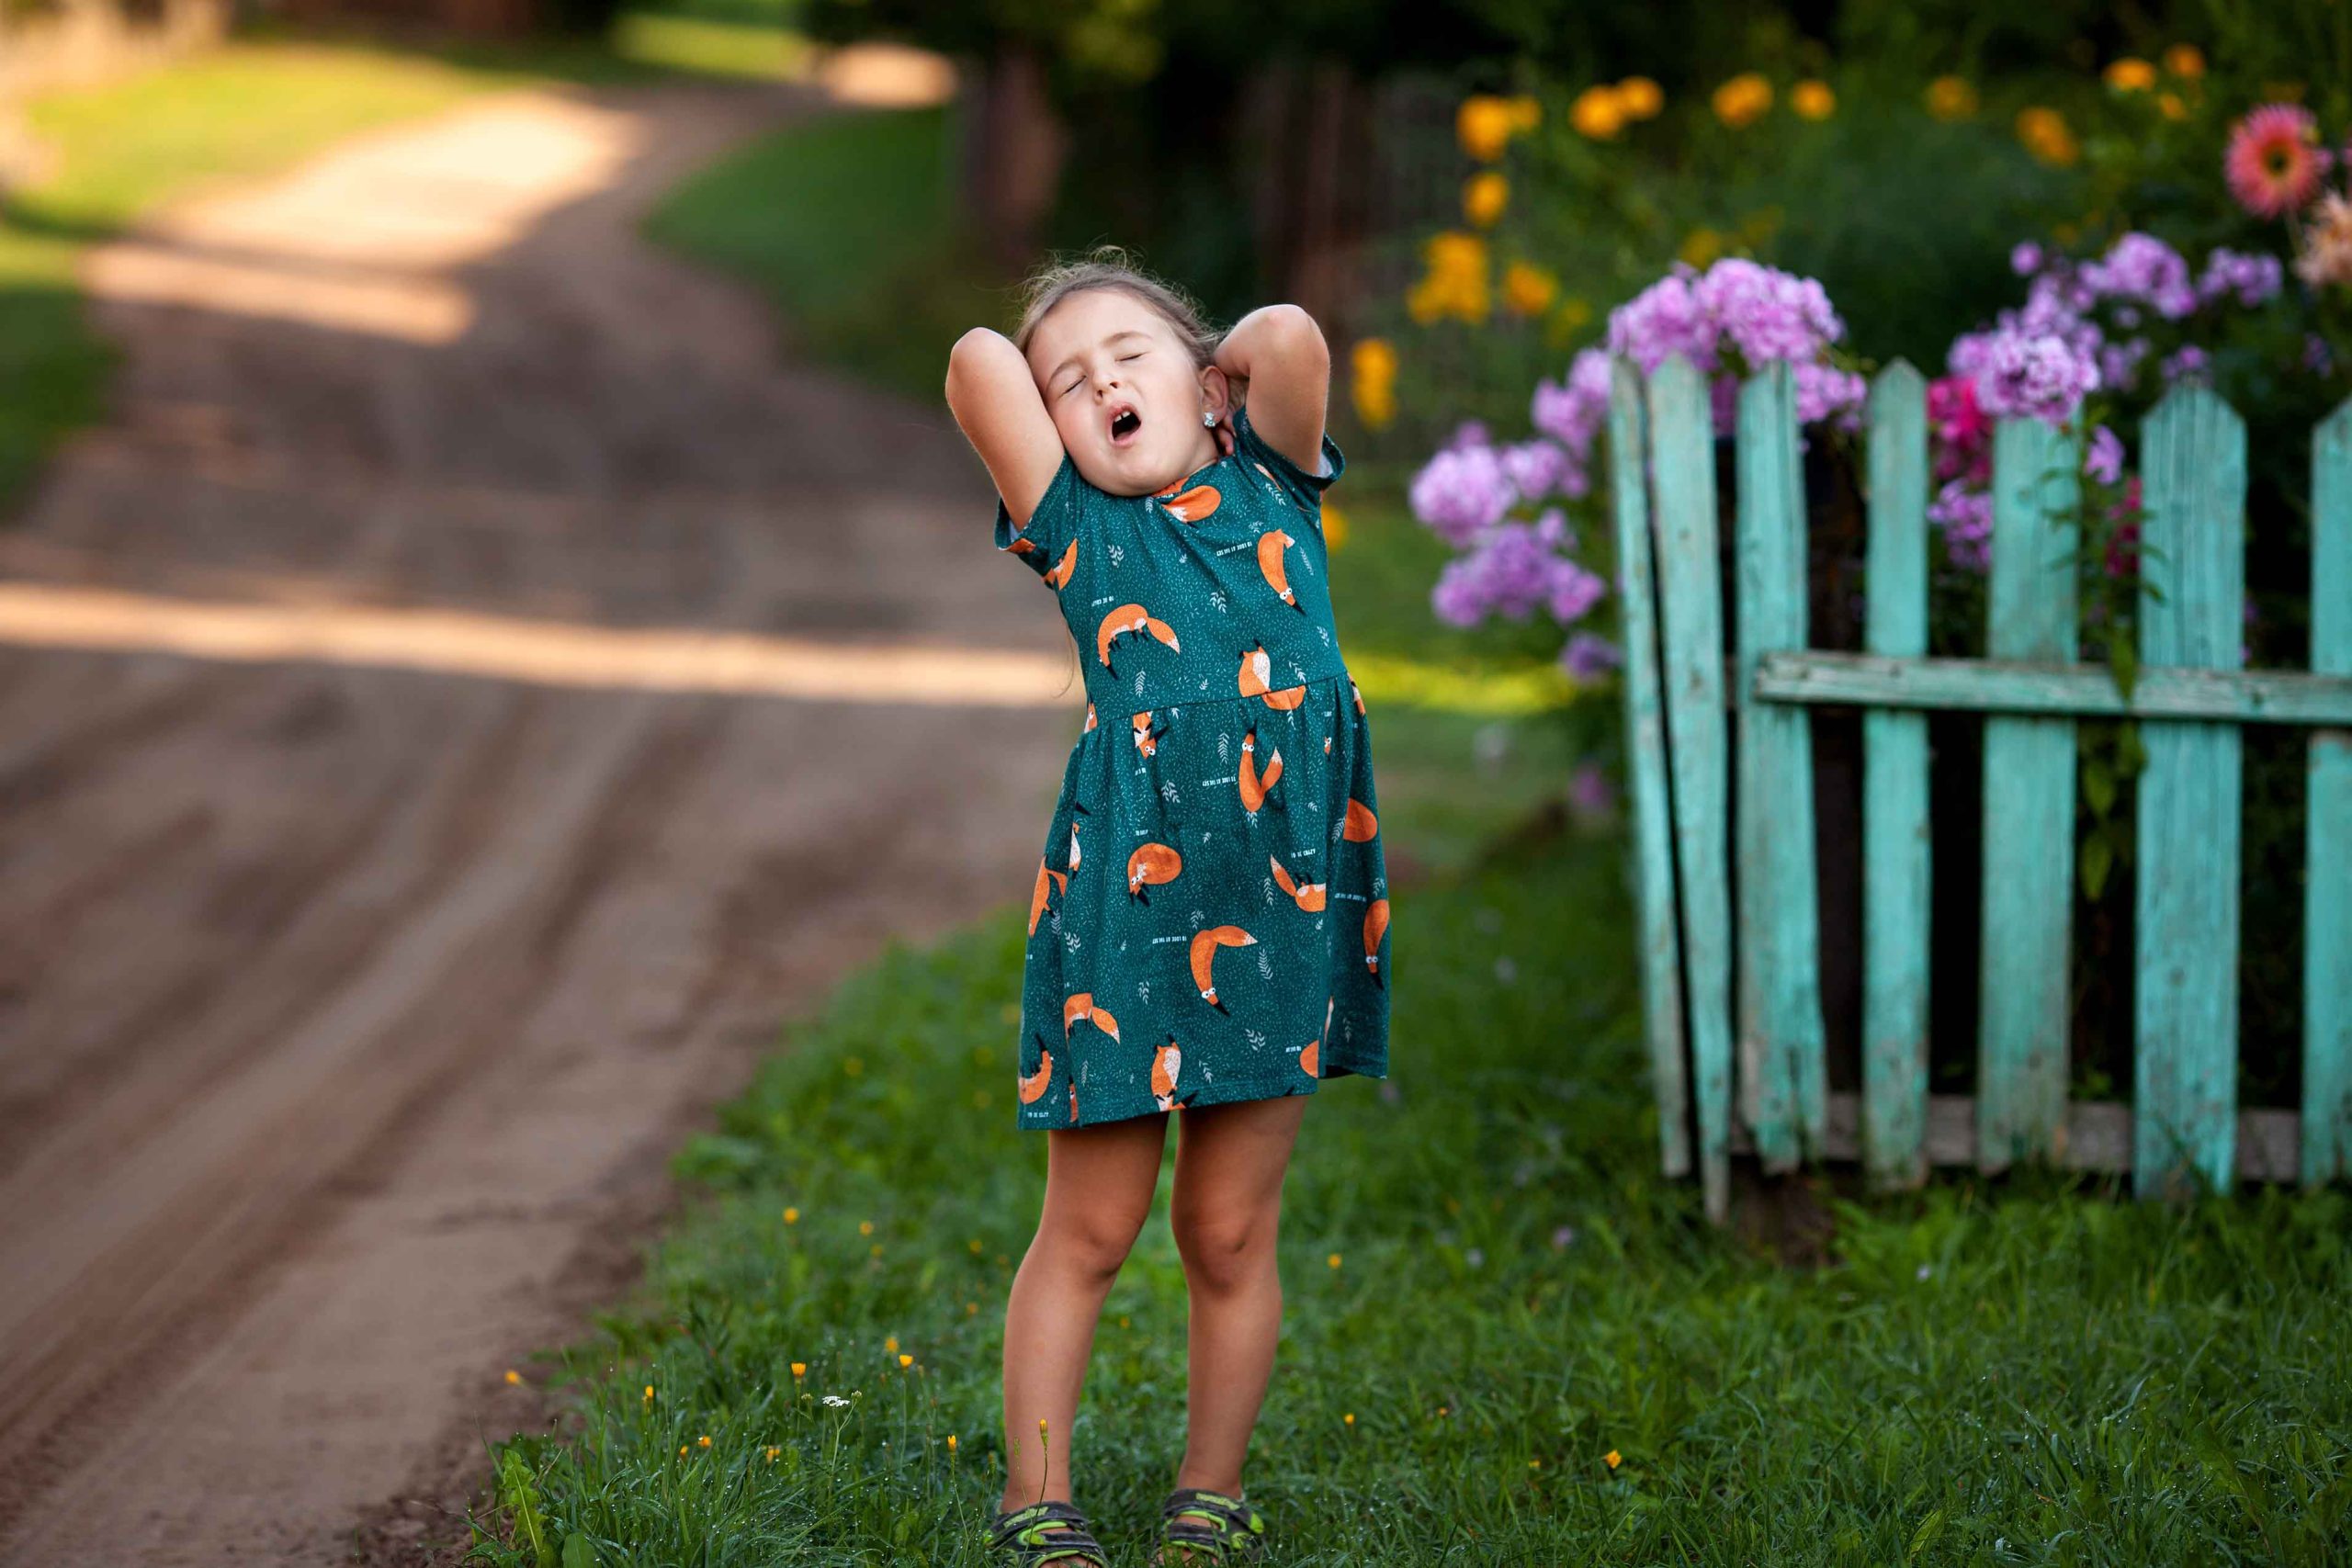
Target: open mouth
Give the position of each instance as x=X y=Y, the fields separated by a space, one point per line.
x=1124 y=425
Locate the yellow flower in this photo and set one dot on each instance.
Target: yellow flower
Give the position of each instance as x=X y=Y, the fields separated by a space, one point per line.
x=975 y=1245
x=1638 y=98
x=1483 y=124
x=1483 y=196
x=1597 y=113
x=906 y=1361
x=1950 y=98
x=1333 y=1261
x=951 y=1442
x=1701 y=246
x=1456 y=282
x=865 y=1227
x=772 y=1451
x=1441 y=1409
x=1349 y=1418
x=1335 y=525
x=1527 y=112
x=890 y=1343
x=1611 y=1458
x=792 y=1216
x=2170 y=106
x=799 y=1369
x=514 y=1376
x=1742 y=99
x=877 y=1249
x=682 y=1450
x=1811 y=99
x=703 y=1441
x=1529 y=288
x=1535 y=1464
x=649 y=1391
x=1123 y=1320
x=971 y=1309
x=2185 y=59
x=1372 y=386
x=2131 y=75
x=2043 y=132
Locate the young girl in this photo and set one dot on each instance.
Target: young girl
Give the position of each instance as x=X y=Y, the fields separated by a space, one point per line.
x=1208 y=931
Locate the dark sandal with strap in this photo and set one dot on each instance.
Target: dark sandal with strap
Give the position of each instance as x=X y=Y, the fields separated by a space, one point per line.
x=1051 y=1532
x=1209 y=1528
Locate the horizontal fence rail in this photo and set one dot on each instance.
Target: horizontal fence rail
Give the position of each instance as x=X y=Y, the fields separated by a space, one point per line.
x=1731 y=988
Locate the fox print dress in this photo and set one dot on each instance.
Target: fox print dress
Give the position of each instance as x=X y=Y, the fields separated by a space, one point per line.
x=1210 y=918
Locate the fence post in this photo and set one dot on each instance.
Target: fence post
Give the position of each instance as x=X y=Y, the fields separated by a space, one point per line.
x=1776 y=950
x=2184 y=992
x=1683 y=468
x=2327 y=877
x=1653 y=847
x=2028 y=862
x=1896 y=845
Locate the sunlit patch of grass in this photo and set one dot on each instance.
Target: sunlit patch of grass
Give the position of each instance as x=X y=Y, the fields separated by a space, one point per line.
x=709 y=45
x=1534 y=1349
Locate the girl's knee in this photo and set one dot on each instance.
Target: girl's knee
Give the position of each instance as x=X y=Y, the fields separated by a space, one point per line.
x=1224 y=1251
x=1091 y=1241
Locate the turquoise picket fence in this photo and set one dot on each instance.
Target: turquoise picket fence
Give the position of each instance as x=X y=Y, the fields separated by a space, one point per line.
x=1732 y=996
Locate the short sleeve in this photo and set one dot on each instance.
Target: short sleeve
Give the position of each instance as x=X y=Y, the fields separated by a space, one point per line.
x=1040 y=543
x=1304 y=489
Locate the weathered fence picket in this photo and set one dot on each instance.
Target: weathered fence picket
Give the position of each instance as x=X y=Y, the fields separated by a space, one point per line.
x=2190 y=695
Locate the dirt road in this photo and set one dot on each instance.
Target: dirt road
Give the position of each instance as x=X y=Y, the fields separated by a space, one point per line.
x=351 y=1000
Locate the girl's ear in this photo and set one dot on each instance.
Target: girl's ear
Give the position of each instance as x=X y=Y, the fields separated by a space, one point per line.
x=1219 y=389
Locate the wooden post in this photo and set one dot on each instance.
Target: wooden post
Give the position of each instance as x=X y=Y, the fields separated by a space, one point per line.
x=2327 y=882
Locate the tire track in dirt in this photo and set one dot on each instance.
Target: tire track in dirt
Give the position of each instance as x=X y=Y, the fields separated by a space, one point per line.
x=348 y=1016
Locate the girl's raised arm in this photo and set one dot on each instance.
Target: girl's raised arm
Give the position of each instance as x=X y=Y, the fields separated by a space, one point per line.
x=1281 y=351
x=995 y=400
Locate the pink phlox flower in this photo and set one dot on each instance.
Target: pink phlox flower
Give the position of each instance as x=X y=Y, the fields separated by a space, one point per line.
x=1460 y=492
x=2103 y=457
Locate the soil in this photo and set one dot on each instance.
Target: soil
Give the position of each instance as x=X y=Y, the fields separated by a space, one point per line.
x=350 y=1012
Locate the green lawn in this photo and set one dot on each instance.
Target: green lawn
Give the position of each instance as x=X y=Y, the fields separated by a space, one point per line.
x=1489 y=1291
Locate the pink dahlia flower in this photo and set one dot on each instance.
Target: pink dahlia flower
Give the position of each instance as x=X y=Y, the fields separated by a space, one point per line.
x=2274 y=162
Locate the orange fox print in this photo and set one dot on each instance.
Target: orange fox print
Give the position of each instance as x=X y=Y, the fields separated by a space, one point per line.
x=1204 y=946
x=1048 y=881
x=1270 y=545
x=1146 y=738
x=1058 y=575
x=1360 y=824
x=1032 y=1088
x=1131 y=618
x=1090 y=717
x=1310 y=1055
x=1166 y=1062
x=1255 y=785
x=1152 y=865
x=1308 y=894
x=1356 y=692
x=1081 y=1006
x=1375 y=926
x=1192 y=505
x=1257 y=667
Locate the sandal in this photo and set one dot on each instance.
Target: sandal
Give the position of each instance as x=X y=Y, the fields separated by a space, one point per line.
x=1211 y=1527
x=1050 y=1531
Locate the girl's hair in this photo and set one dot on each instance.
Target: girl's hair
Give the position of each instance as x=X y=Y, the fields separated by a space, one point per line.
x=1107 y=267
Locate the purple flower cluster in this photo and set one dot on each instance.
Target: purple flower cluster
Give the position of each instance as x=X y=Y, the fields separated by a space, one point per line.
x=1731 y=321
x=1513 y=569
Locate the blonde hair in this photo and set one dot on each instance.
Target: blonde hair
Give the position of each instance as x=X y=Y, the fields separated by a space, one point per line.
x=1107 y=267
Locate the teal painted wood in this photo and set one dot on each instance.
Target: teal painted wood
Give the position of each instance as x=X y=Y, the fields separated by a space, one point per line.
x=1896 y=861
x=1653 y=850
x=1682 y=470
x=2327 y=886
x=1780 y=1049
x=2184 y=992
x=2029 y=864
x=2008 y=685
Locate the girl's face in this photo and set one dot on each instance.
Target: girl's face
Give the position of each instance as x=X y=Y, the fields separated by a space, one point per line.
x=1123 y=392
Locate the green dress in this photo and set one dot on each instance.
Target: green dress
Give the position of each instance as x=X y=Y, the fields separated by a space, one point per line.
x=1210 y=918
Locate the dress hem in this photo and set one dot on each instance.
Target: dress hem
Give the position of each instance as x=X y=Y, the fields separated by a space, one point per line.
x=1221 y=1091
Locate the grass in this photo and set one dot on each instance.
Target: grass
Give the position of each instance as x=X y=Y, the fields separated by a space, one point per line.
x=1489 y=1291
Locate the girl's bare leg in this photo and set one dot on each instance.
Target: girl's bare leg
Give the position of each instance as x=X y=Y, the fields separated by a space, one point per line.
x=1230 y=1160
x=1099 y=1183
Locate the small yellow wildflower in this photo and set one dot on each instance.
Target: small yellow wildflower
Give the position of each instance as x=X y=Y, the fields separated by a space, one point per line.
x=1742 y=99
x=1597 y=113
x=1483 y=196
x=876 y=1249
x=1951 y=97
x=792 y=1216
x=1528 y=289
x=1123 y=1320
x=1456 y=281
x=1535 y=1464
x=1441 y=1409
x=800 y=1369
x=1333 y=1261
x=971 y=1309
x=1372 y=387
x=1611 y=1458
x=514 y=1376
x=951 y=1442
x=649 y=1391
x=773 y=1449
x=2131 y=75
x=2185 y=59
x=906 y=1361
x=682 y=1450
x=852 y=1066
x=1811 y=99
x=865 y=1227
x=1349 y=1419
x=703 y=1441
x=975 y=1245
x=2043 y=132
x=890 y=1343
x=1335 y=526
x=1483 y=124
x=1639 y=97
x=1701 y=246
x=2170 y=106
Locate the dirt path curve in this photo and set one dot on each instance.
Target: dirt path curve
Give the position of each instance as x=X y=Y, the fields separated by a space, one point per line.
x=348 y=1012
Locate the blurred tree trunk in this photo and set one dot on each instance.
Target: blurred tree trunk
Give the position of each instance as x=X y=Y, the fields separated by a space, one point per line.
x=1012 y=144
x=1313 y=128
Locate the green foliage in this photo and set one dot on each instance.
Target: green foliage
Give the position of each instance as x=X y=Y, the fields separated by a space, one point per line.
x=2044 y=1373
